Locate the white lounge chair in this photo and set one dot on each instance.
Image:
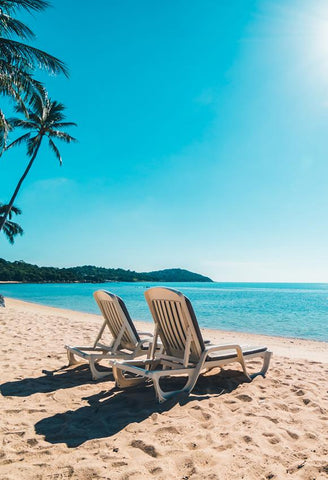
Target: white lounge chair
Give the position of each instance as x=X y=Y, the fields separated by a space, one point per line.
x=126 y=342
x=185 y=352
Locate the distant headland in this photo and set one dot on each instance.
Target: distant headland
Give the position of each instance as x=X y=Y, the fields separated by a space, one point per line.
x=20 y=271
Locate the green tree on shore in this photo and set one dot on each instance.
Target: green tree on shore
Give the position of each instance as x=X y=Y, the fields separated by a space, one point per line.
x=44 y=119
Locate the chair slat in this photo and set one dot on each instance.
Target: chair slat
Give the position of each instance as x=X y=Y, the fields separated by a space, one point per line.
x=179 y=343
x=163 y=324
x=169 y=325
x=180 y=324
x=175 y=316
x=112 y=309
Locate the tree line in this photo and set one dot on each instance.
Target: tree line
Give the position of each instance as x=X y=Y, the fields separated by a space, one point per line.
x=19 y=271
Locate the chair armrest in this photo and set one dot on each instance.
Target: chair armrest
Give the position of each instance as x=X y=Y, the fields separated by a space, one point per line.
x=218 y=348
x=145 y=334
x=145 y=340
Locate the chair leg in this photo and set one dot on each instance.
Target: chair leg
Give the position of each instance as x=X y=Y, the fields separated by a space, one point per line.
x=243 y=365
x=163 y=396
x=266 y=362
x=96 y=374
x=160 y=394
x=71 y=358
x=124 y=382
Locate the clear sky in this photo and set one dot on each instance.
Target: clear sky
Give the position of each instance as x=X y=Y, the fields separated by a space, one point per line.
x=203 y=140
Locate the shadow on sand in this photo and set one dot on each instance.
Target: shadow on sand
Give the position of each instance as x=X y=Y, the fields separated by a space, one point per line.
x=67 y=378
x=109 y=412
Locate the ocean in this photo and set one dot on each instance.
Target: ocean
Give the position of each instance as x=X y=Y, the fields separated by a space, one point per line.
x=283 y=309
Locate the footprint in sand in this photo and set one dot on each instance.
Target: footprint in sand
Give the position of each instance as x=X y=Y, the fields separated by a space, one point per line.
x=272 y=419
x=32 y=442
x=282 y=406
x=149 y=449
x=272 y=438
x=155 y=471
x=223 y=447
x=250 y=414
x=153 y=468
x=247 y=439
x=200 y=414
x=312 y=436
x=133 y=474
x=293 y=435
x=165 y=430
x=167 y=435
x=244 y=398
x=294 y=409
x=18 y=433
x=186 y=467
x=300 y=393
x=86 y=473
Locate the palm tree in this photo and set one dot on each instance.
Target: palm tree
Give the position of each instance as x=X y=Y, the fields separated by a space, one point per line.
x=10 y=229
x=44 y=120
x=13 y=51
x=18 y=60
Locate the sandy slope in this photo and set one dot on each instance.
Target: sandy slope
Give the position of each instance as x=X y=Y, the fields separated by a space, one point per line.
x=66 y=426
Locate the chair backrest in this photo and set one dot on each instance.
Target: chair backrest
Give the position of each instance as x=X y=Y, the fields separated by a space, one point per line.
x=174 y=316
x=117 y=318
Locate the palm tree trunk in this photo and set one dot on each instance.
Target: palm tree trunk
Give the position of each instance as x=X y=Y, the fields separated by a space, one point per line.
x=11 y=203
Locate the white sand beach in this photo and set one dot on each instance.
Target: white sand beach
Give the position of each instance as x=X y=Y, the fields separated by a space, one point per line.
x=65 y=425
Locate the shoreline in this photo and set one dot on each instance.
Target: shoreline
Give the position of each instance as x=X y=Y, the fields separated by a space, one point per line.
x=296 y=348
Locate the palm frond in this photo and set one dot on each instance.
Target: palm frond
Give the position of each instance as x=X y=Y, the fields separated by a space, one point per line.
x=39 y=122
x=39 y=91
x=10 y=65
x=11 y=229
x=14 y=210
x=10 y=26
x=56 y=151
x=12 y=49
x=19 y=85
x=25 y=124
x=3 y=208
x=8 y=87
x=32 y=144
x=5 y=127
x=37 y=105
x=55 y=107
x=19 y=141
x=62 y=136
x=9 y=6
x=55 y=111
x=64 y=124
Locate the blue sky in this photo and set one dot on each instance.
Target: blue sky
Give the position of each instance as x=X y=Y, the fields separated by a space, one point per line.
x=203 y=140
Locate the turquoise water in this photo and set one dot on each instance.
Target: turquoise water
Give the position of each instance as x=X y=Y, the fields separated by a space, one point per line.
x=287 y=310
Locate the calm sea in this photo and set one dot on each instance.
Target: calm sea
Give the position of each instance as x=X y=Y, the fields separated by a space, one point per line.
x=283 y=309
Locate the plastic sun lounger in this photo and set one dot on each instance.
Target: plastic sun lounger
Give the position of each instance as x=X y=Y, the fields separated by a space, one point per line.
x=126 y=342
x=185 y=351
